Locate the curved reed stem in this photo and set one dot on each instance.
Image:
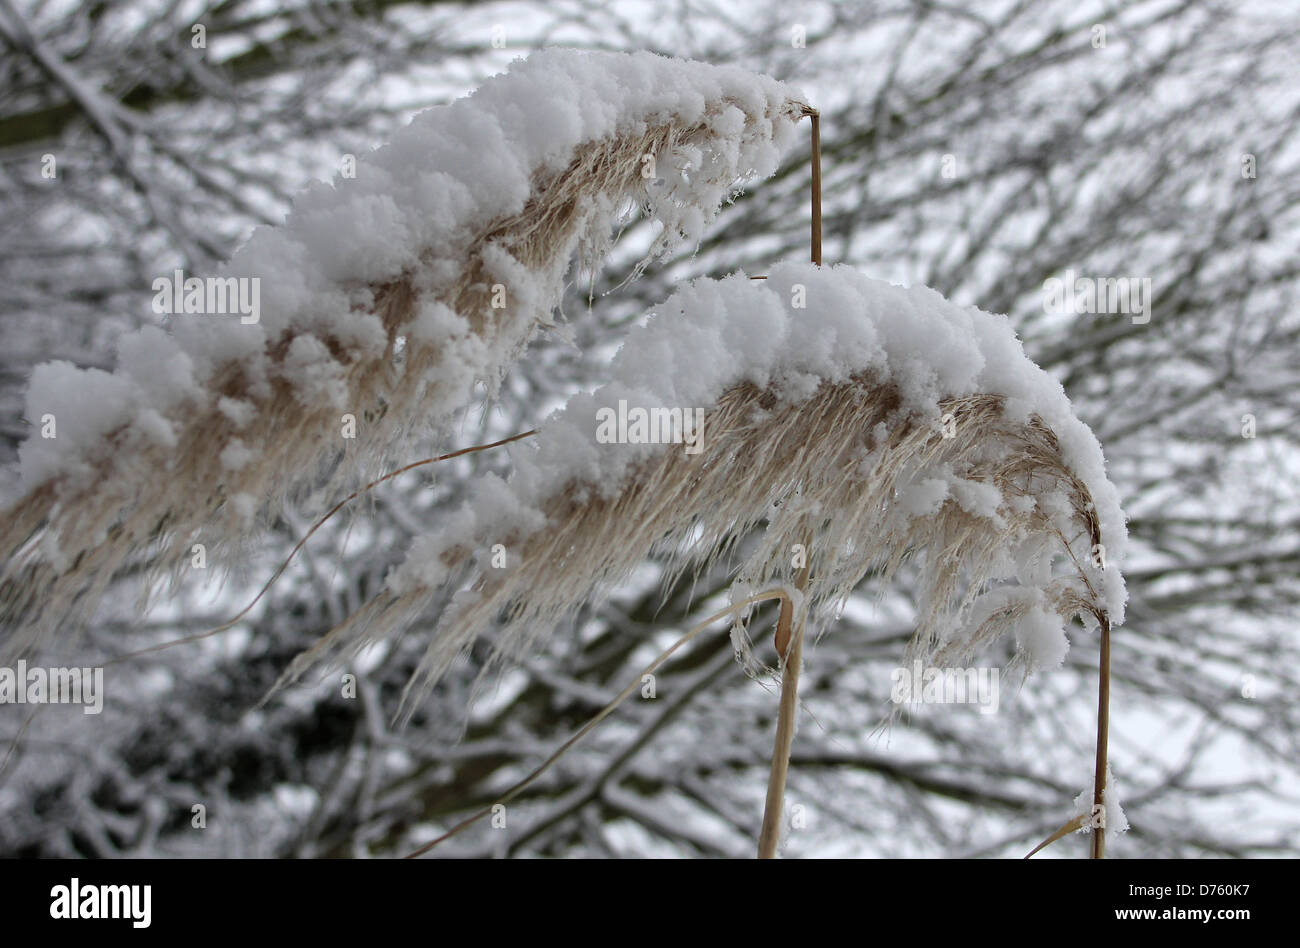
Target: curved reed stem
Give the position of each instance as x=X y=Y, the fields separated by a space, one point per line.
x=789 y=639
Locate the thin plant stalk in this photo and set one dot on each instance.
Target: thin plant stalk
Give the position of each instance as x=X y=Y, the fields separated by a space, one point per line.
x=789 y=643
x=816 y=186
x=1103 y=736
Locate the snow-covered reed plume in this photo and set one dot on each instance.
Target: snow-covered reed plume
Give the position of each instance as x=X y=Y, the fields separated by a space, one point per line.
x=865 y=421
x=383 y=297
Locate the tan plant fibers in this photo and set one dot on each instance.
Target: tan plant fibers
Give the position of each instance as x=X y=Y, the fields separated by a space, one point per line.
x=807 y=469
x=146 y=504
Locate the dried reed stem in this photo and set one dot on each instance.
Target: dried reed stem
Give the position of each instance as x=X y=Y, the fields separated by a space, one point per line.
x=1103 y=738
x=816 y=186
x=789 y=639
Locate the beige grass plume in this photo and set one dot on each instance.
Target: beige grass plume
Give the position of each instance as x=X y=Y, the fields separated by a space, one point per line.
x=879 y=421
x=383 y=299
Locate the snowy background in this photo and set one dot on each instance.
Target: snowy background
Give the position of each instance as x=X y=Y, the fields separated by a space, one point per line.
x=980 y=149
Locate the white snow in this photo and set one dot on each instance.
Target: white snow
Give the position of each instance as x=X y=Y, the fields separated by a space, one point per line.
x=239 y=412
x=1116 y=821
x=83 y=405
x=977 y=498
x=925 y=497
x=235 y=455
x=1041 y=638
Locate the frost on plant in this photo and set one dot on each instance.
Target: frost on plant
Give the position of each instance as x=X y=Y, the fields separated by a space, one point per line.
x=1112 y=821
x=867 y=422
x=383 y=299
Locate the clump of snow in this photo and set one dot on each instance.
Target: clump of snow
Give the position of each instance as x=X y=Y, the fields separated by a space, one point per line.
x=1115 y=820
x=924 y=497
x=67 y=407
x=235 y=455
x=239 y=413
x=977 y=498
x=1041 y=639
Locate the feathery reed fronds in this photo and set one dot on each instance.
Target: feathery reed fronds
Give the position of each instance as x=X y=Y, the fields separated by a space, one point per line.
x=879 y=421
x=386 y=298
